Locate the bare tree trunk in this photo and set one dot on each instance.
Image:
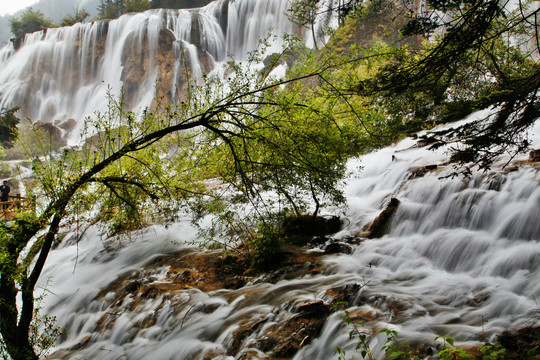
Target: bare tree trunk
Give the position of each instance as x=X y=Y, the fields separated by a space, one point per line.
x=16 y=336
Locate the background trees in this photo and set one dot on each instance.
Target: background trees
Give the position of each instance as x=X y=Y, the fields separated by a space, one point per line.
x=30 y=21
x=78 y=17
x=111 y=9
x=8 y=127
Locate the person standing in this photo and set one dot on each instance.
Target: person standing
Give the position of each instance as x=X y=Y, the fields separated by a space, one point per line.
x=4 y=192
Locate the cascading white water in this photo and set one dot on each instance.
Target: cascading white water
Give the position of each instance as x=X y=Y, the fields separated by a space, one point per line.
x=66 y=73
x=460 y=258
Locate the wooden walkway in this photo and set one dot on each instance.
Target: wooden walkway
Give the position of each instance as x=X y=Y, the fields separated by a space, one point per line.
x=15 y=205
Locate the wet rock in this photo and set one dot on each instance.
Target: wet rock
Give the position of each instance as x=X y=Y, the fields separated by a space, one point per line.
x=82 y=343
x=252 y=354
x=313 y=310
x=50 y=129
x=377 y=227
x=238 y=337
x=345 y=294
x=209 y=308
x=519 y=343
x=132 y=286
x=495 y=181
x=150 y=292
x=421 y=171
x=478 y=299
x=510 y=169
x=211 y=354
x=235 y=283
x=337 y=248
x=271 y=61
x=534 y=155
x=283 y=340
x=136 y=68
x=301 y=229
x=352 y=240
x=318 y=241
x=67 y=125
x=185 y=277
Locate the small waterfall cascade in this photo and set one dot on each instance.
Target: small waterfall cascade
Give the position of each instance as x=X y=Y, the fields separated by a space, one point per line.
x=460 y=257
x=67 y=73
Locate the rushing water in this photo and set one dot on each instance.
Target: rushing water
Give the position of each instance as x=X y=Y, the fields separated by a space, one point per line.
x=460 y=258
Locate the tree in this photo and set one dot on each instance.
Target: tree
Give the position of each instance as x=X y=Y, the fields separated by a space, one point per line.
x=308 y=12
x=30 y=21
x=79 y=17
x=483 y=56
x=110 y=9
x=8 y=127
x=136 y=5
x=247 y=133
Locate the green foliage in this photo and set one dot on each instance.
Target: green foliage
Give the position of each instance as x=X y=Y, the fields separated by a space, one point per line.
x=79 y=17
x=483 y=58
x=43 y=332
x=30 y=21
x=293 y=141
x=357 y=332
x=485 y=352
x=303 y=12
x=136 y=5
x=267 y=246
x=395 y=350
x=112 y=9
x=5 y=170
x=8 y=127
x=306 y=12
x=34 y=140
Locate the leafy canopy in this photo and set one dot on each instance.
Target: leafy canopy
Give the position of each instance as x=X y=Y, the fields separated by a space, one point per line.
x=29 y=22
x=112 y=9
x=8 y=127
x=79 y=17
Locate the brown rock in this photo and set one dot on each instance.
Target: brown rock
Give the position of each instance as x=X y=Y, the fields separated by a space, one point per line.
x=534 y=155
x=520 y=342
x=337 y=248
x=421 y=171
x=49 y=128
x=68 y=125
x=377 y=227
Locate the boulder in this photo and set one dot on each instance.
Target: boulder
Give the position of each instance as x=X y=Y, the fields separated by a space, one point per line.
x=534 y=155
x=49 y=128
x=377 y=227
x=421 y=171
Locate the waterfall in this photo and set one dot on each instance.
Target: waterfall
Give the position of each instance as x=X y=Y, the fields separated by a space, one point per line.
x=66 y=73
x=460 y=258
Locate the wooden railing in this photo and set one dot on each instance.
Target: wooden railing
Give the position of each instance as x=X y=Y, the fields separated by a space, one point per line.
x=15 y=205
